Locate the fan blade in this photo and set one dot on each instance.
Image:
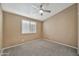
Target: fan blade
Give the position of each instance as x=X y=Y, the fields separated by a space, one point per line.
x=35 y=7
x=47 y=11
x=41 y=6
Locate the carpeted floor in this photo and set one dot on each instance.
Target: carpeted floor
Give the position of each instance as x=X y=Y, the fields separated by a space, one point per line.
x=40 y=48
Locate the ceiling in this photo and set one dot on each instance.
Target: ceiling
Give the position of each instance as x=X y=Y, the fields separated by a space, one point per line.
x=26 y=9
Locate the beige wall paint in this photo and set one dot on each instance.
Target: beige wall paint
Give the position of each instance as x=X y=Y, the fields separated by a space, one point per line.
x=62 y=27
x=1 y=27
x=12 y=30
x=78 y=28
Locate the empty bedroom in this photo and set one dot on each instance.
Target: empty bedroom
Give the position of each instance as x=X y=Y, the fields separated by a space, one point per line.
x=39 y=29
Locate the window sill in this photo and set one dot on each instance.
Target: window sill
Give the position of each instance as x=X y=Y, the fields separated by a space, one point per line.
x=27 y=33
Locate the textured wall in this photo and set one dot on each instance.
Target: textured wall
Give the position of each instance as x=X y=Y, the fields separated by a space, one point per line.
x=62 y=27
x=12 y=30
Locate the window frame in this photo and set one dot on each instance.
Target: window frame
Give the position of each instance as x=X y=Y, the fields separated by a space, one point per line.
x=30 y=31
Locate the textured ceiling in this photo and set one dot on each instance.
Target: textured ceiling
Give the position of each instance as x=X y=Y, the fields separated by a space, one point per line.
x=26 y=9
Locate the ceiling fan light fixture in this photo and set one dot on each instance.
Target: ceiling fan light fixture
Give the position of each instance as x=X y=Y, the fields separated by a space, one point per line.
x=41 y=11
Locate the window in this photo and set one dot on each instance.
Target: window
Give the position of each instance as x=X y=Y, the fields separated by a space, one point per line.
x=28 y=26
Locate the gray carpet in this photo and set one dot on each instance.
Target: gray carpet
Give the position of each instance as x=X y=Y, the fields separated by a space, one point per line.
x=40 y=48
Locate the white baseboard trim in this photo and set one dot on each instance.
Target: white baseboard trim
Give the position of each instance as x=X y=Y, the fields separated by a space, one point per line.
x=39 y=39
x=61 y=43
x=16 y=45
x=2 y=53
x=12 y=46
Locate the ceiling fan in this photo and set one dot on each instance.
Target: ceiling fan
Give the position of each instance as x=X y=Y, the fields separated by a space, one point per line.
x=41 y=9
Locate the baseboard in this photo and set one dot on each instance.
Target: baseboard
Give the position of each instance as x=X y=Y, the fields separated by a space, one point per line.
x=9 y=47
x=39 y=39
x=16 y=45
x=61 y=43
